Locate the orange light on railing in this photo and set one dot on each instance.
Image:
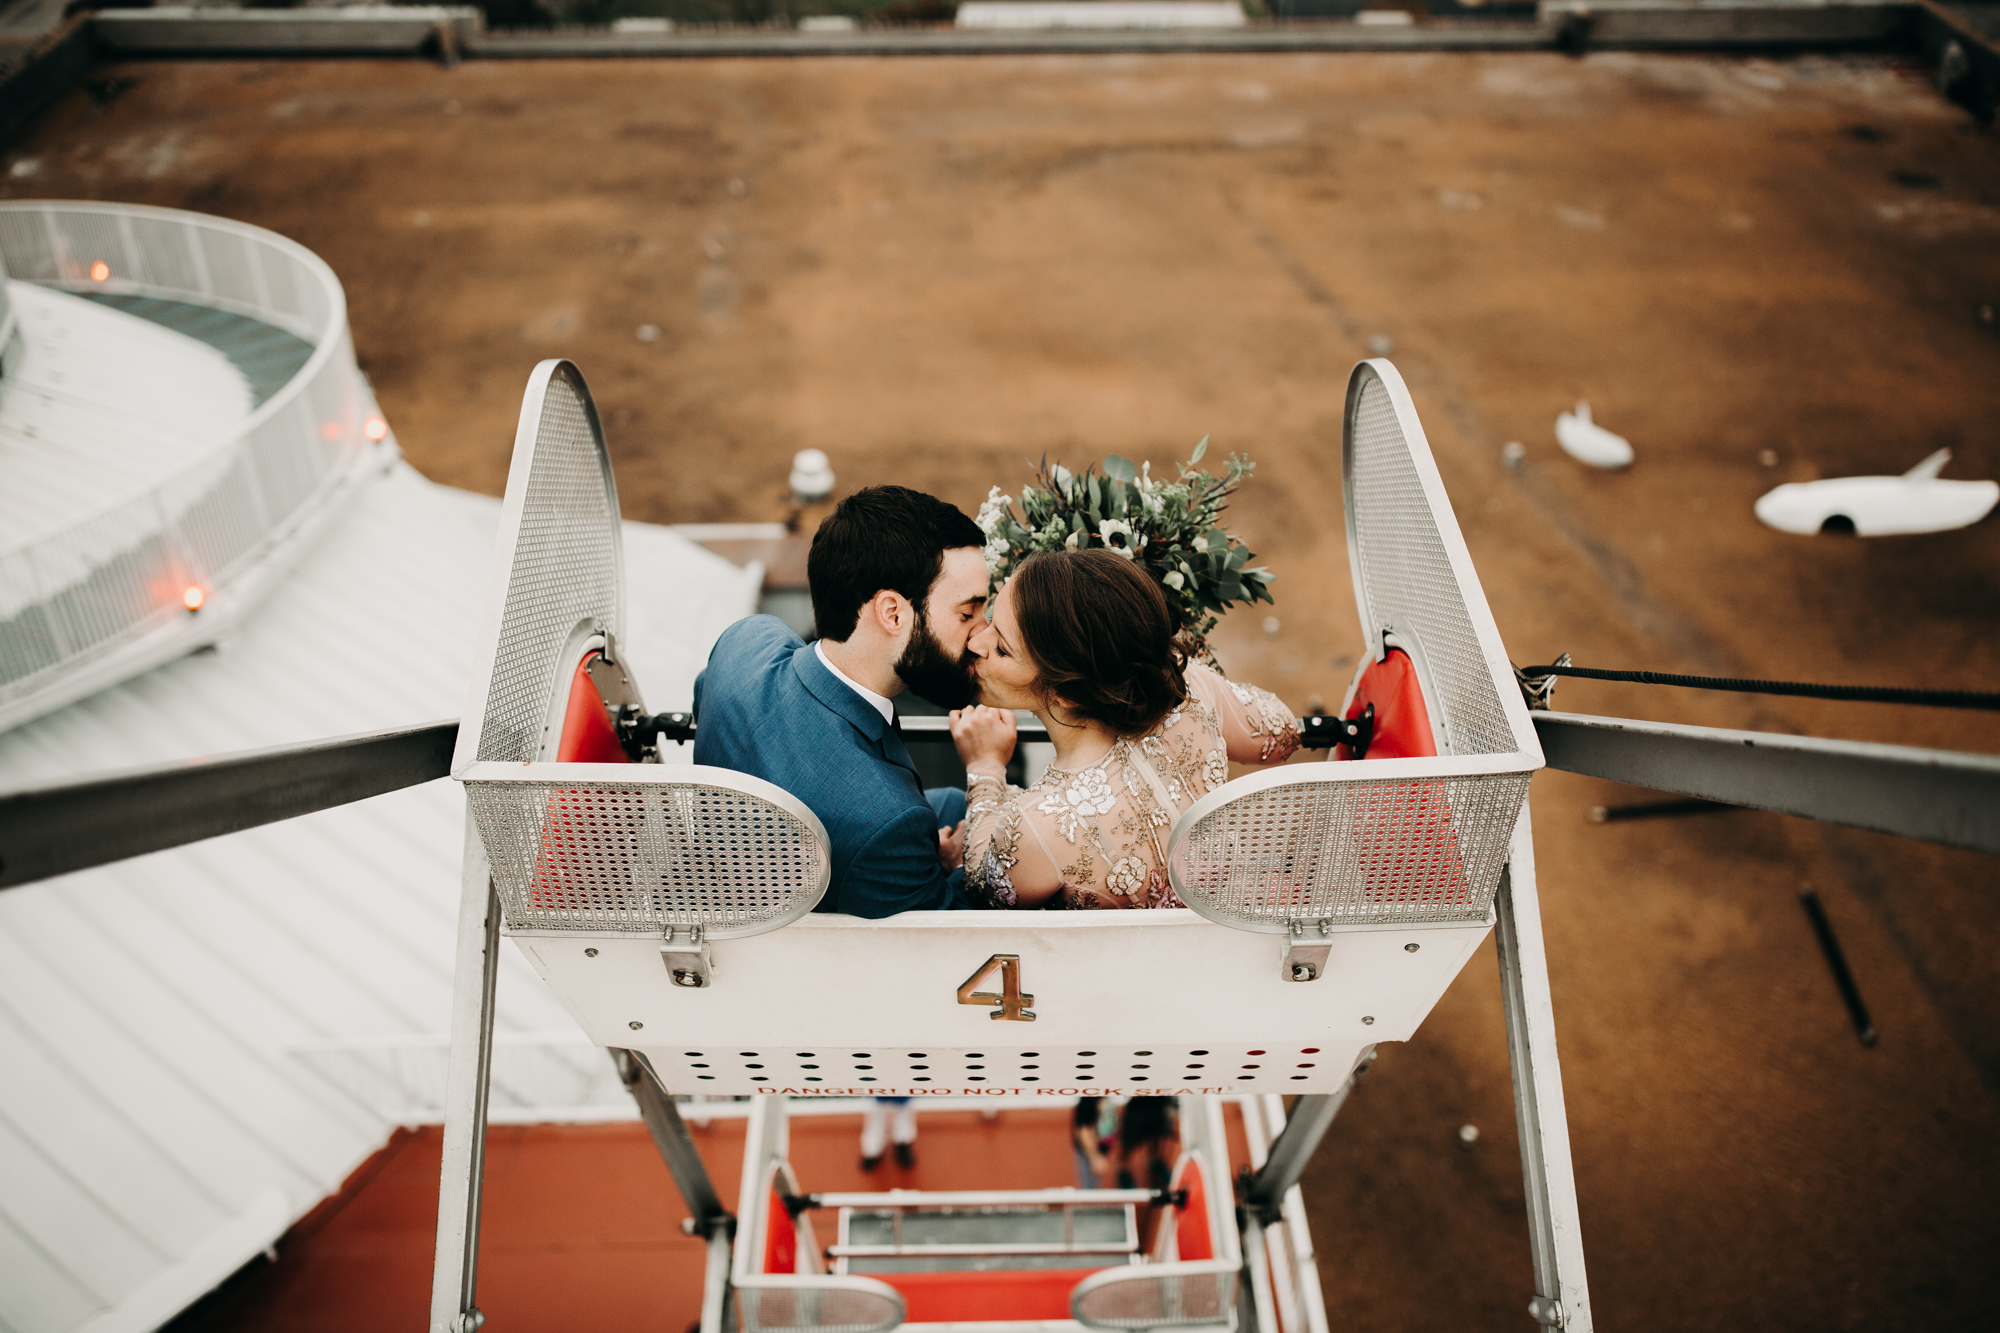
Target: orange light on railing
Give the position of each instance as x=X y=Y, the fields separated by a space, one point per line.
x=329 y=430
x=100 y=271
x=192 y=597
x=376 y=428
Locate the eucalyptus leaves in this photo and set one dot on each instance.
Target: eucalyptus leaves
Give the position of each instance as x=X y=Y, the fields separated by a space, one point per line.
x=1169 y=527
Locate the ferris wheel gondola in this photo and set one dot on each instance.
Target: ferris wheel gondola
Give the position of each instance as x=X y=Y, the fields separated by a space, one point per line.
x=670 y=906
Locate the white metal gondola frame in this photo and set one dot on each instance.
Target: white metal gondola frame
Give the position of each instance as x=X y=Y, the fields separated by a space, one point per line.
x=1562 y=1297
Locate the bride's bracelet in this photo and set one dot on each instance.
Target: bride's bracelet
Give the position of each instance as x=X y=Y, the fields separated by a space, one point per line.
x=973 y=775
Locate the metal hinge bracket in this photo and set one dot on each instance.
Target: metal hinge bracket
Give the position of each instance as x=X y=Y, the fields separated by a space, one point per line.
x=1307 y=944
x=687 y=958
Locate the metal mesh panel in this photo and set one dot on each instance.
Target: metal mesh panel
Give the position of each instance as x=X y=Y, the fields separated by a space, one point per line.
x=281 y=285
x=26 y=244
x=1163 y=1299
x=228 y=259
x=1407 y=579
x=640 y=857
x=1390 y=852
x=565 y=572
x=224 y=523
x=828 y=1308
x=168 y=247
x=84 y=239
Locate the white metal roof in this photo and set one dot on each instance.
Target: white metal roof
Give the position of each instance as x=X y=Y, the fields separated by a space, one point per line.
x=96 y=403
x=168 y=1104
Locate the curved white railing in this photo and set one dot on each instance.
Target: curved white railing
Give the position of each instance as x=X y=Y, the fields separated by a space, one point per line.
x=152 y=573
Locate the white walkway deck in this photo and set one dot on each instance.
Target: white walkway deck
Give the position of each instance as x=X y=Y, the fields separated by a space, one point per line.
x=96 y=405
x=169 y=1100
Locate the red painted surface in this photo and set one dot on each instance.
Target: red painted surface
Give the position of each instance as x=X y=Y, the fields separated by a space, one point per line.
x=581 y=1227
x=587 y=738
x=587 y=735
x=781 y=1238
x=1192 y=1236
x=1402 y=723
x=1021 y=1294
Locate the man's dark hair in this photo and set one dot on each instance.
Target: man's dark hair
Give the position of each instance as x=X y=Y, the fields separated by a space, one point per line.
x=883 y=537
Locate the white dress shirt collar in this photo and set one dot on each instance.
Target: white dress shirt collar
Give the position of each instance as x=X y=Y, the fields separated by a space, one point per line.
x=880 y=703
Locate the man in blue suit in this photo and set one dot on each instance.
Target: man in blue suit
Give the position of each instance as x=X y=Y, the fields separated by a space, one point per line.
x=898 y=584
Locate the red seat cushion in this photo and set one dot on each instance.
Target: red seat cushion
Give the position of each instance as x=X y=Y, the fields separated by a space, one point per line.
x=1192 y=1238
x=781 y=1237
x=1402 y=722
x=587 y=735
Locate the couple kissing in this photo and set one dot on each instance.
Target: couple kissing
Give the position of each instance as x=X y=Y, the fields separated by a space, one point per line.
x=1084 y=639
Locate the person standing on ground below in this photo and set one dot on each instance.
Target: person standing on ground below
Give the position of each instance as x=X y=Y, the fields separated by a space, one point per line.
x=1088 y=1142
x=898 y=583
x=888 y=1118
x=1149 y=1143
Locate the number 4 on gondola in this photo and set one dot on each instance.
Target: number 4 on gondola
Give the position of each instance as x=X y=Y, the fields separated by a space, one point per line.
x=1012 y=1004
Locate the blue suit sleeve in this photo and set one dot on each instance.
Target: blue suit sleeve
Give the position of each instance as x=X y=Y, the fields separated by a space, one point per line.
x=897 y=870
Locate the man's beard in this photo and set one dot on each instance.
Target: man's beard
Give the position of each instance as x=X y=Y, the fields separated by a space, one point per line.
x=931 y=673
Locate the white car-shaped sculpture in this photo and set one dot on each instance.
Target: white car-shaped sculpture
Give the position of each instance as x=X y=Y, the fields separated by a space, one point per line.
x=1917 y=501
x=1587 y=442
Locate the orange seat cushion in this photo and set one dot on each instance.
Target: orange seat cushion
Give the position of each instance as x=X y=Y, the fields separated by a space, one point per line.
x=1402 y=722
x=587 y=735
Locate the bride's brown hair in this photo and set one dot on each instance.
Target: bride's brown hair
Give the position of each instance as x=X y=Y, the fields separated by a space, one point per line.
x=1102 y=637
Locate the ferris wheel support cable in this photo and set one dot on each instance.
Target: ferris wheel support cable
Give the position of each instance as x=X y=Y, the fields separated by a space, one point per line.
x=1536 y=678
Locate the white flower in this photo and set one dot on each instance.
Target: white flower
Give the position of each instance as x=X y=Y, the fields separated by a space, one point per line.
x=1069 y=542
x=993 y=510
x=1172 y=580
x=1111 y=529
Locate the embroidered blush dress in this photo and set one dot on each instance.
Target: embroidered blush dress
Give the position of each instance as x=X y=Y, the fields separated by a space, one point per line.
x=1097 y=836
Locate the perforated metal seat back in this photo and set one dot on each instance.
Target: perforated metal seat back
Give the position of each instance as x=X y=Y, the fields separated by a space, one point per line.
x=606 y=847
x=560 y=566
x=1412 y=576
x=1393 y=852
x=1383 y=841
x=642 y=848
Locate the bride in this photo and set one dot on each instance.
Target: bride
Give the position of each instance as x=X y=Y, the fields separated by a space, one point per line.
x=1086 y=641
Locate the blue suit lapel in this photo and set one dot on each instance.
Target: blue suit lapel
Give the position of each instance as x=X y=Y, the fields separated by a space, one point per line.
x=824 y=686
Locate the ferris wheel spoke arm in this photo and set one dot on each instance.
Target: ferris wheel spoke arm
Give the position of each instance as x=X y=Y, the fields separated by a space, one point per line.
x=1264 y=1193
x=676 y=1145
x=455 y=1270
x=1555 y=1235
